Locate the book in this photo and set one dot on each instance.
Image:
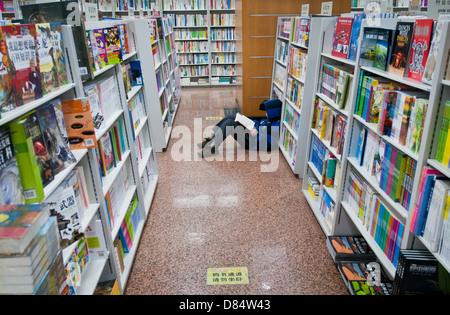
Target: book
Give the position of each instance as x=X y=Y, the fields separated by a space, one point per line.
x=63 y=12
x=44 y=47
x=349 y=248
x=44 y=157
x=368 y=45
x=59 y=58
x=430 y=65
x=244 y=121
x=113 y=46
x=106 y=153
x=93 y=94
x=419 y=48
x=382 y=49
x=354 y=38
x=342 y=35
x=11 y=191
x=80 y=125
x=359 y=273
x=19 y=225
x=26 y=77
x=96 y=59
x=123 y=35
x=420 y=108
x=136 y=72
x=29 y=170
x=443 y=136
x=401 y=48
x=101 y=46
x=7 y=95
x=419 y=273
x=59 y=152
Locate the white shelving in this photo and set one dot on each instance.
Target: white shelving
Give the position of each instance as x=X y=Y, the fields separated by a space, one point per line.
x=218 y=66
x=346 y=220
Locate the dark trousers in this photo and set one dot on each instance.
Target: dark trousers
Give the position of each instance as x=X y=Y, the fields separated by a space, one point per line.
x=226 y=127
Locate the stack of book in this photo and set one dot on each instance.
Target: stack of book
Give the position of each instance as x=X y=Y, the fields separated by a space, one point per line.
x=297 y=65
x=29 y=251
x=419 y=273
x=313 y=187
x=350 y=248
x=365 y=278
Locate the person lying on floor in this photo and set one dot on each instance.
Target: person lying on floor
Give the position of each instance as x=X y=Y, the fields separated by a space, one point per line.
x=262 y=137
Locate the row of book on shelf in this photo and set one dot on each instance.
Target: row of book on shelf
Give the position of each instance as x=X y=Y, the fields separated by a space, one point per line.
x=124 y=5
x=37 y=257
x=300 y=31
x=190 y=20
x=222 y=19
x=417 y=273
x=222 y=34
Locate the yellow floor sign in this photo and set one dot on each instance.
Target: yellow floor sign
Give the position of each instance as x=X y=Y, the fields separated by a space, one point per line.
x=227 y=275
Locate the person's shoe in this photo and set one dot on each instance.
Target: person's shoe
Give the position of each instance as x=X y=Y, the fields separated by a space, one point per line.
x=208 y=150
x=204 y=142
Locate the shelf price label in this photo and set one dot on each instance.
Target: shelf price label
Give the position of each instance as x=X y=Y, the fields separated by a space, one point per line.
x=305 y=10
x=327 y=8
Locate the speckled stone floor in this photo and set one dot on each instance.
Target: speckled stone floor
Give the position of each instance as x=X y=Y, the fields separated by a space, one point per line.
x=209 y=214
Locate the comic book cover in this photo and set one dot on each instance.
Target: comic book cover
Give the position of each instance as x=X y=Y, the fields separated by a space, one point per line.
x=113 y=47
x=101 y=46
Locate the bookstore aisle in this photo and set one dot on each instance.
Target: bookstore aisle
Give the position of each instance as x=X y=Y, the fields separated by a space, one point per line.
x=228 y=214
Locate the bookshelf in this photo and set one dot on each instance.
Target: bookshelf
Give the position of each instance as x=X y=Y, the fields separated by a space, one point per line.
x=117 y=197
x=353 y=215
x=205 y=41
x=292 y=65
x=159 y=62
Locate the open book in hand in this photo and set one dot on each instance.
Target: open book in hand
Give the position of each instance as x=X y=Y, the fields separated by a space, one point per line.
x=245 y=121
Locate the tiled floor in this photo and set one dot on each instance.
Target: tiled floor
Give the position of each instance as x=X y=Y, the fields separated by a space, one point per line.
x=229 y=214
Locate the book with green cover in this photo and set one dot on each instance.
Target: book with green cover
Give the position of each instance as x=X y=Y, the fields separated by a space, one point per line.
x=26 y=159
x=443 y=133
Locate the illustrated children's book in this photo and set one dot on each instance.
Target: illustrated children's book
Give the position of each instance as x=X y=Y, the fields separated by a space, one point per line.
x=45 y=54
x=420 y=47
x=113 y=45
x=101 y=46
x=342 y=37
x=59 y=59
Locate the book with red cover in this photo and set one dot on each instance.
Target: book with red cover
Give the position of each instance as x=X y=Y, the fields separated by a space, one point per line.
x=419 y=48
x=342 y=35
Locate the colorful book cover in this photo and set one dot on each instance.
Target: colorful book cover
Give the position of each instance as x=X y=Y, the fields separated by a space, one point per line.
x=342 y=37
x=101 y=45
x=354 y=39
x=419 y=48
x=60 y=154
x=443 y=135
x=96 y=59
x=30 y=175
x=44 y=52
x=113 y=46
x=400 y=51
x=59 y=59
x=124 y=39
x=26 y=78
x=382 y=48
x=106 y=153
x=136 y=72
x=80 y=125
x=368 y=44
x=44 y=156
x=7 y=96
x=11 y=192
x=419 y=122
